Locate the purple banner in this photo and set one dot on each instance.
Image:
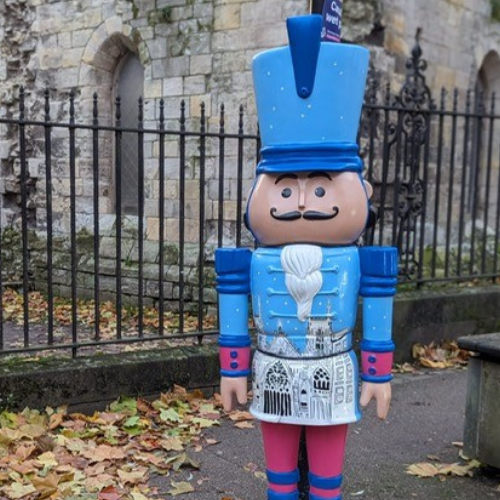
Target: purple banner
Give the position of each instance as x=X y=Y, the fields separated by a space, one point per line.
x=332 y=21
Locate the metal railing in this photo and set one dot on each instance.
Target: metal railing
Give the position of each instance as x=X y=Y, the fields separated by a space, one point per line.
x=437 y=183
x=28 y=222
x=435 y=170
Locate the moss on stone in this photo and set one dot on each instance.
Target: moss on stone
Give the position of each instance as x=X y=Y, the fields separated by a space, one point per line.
x=22 y=364
x=135 y=9
x=495 y=10
x=12 y=254
x=171 y=255
x=160 y=16
x=137 y=40
x=51 y=380
x=209 y=276
x=85 y=241
x=208 y=26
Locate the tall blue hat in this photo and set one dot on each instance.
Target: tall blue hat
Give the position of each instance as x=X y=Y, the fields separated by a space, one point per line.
x=309 y=96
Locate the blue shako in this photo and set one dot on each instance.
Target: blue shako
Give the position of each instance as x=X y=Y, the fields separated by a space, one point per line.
x=309 y=97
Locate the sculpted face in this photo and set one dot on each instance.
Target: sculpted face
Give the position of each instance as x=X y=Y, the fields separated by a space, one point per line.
x=309 y=207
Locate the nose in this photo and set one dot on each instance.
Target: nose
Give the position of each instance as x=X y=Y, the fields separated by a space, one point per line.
x=302 y=197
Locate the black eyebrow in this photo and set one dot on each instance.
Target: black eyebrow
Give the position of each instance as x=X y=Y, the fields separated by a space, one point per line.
x=319 y=174
x=286 y=176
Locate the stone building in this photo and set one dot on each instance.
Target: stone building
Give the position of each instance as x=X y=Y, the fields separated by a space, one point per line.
x=460 y=40
x=196 y=51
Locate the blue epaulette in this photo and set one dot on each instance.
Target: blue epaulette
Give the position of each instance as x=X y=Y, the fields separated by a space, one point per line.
x=379 y=270
x=232 y=266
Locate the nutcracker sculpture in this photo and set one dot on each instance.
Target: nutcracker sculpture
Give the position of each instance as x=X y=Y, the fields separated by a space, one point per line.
x=307 y=209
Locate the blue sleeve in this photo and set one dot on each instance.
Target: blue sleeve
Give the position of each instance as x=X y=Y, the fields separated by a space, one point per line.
x=379 y=268
x=232 y=266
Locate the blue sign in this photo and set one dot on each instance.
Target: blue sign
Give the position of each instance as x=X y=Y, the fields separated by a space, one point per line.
x=332 y=21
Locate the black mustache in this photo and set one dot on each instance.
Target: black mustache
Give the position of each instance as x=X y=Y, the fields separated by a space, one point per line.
x=312 y=215
x=309 y=215
x=287 y=216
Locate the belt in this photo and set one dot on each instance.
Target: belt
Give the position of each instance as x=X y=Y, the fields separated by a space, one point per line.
x=305 y=356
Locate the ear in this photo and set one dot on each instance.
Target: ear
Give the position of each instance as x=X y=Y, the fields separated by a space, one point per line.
x=368 y=189
x=246 y=216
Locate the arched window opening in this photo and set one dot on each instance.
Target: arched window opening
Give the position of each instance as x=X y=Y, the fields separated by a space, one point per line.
x=129 y=86
x=484 y=163
x=277 y=391
x=321 y=380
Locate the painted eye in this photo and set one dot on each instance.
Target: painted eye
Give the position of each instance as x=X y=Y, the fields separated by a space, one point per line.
x=286 y=193
x=320 y=192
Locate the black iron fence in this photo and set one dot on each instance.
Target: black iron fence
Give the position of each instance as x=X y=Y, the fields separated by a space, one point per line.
x=136 y=264
x=436 y=169
x=150 y=281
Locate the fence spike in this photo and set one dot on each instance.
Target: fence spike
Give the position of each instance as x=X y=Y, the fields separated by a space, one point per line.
x=72 y=106
x=118 y=111
x=47 y=104
x=162 y=113
x=416 y=52
x=140 y=106
x=95 y=111
x=240 y=120
x=372 y=88
x=443 y=98
x=21 y=102
x=467 y=100
x=202 y=117
x=183 y=115
x=387 y=93
x=221 y=119
x=480 y=103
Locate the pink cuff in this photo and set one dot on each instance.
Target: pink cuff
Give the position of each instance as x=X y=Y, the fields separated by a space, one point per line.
x=376 y=364
x=234 y=359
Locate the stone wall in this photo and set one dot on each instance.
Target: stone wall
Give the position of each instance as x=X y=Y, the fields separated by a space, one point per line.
x=199 y=51
x=129 y=269
x=12 y=268
x=460 y=40
x=457 y=35
x=196 y=51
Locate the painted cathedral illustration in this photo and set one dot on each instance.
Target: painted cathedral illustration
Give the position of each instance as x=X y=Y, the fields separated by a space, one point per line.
x=288 y=387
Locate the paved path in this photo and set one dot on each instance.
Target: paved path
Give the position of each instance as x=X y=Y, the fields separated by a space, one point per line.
x=426 y=417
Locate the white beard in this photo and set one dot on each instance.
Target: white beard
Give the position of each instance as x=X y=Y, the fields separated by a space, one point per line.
x=303 y=279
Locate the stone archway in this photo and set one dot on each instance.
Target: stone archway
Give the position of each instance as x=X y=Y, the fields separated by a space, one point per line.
x=488 y=76
x=110 y=44
x=487 y=86
x=107 y=47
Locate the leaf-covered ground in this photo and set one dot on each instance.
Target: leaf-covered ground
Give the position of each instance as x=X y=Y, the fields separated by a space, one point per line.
x=446 y=354
x=109 y=455
x=112 y=454
x=12 y=304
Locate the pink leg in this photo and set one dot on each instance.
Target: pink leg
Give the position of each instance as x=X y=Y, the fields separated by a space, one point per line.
x=281 y=448
x=325 y=451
